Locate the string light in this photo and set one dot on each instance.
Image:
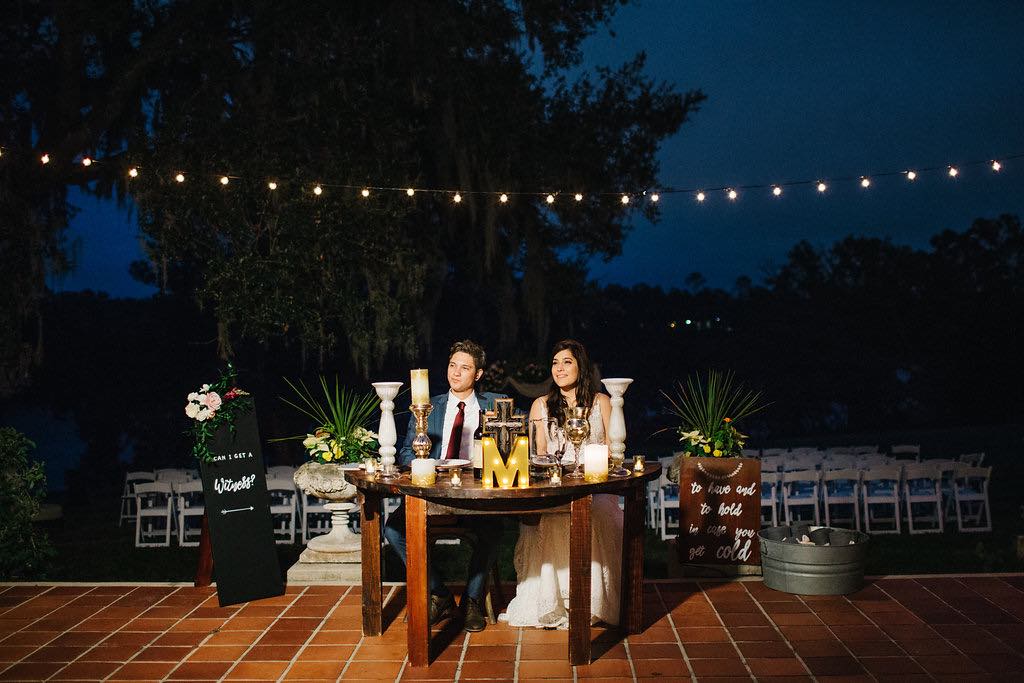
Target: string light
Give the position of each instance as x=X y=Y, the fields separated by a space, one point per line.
x=655 y=197
x=318 y=190
x=732 y=195
x=45 y=158
x=911 y=175
x=224 y=180
x=953 y=172
x=822 y=186
x=550 y=199
x=271 y=185
x=365 y=193
x=180 y=177
x=578 y=197
x=87 y=162
x=625 y=199
x=457 y=198
x=1 y=151
x=865 y=182
x=701 y=196
x=503 y=198
x=776 y=190
x=996 y=166
x=133 y=172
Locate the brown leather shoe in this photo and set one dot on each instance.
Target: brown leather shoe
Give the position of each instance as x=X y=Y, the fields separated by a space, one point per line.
x=441 y=608
x=474 y=620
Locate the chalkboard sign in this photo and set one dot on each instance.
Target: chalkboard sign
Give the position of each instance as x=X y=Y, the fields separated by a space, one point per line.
x=238 y=508
x=719 y=510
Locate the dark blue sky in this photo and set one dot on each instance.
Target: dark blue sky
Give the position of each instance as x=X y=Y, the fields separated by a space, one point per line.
x=795 y=91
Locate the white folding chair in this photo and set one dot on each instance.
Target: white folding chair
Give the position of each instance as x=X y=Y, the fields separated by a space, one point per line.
x=922 y=488
x=282 y=509
x=771 y=463
x=905 y=451
x=128 y=494
x=153 y=502
x=770 y=497
x=881 y=488
x=841 y=487
x=972 y=459
x=316 y=519
x=668 y=500
x=190 y=507
x=281 y=472
x=772 y=452
x=800 y=490
x=970 y=491
x=865 y=450
x=840 y=461
x=750 y=452
x=172 y=475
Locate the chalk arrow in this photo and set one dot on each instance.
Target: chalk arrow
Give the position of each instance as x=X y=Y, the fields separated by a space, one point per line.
x=250 y=509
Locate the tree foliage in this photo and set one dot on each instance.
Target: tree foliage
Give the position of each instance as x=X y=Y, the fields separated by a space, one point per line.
x=24 y=549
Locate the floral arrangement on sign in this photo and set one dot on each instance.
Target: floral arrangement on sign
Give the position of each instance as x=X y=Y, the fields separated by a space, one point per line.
x=708 y=411
x=212 y=406
x=341 y=417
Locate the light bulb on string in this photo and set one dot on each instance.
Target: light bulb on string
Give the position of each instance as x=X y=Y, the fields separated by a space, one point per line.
x=271 y=185
x=911 y=175
x=822 y=186
x=457 y=198
x=87 y=162
x=410 y=192
x=318 y=190
x=865 y=182
x=953 y=172
x=365 y=193
x=655 y=197
x=732 y=194
x=996 y=166
x=45 y=159
x=503 y=198
x=624 y=199
x=578 y=197
x=701 y=196
x=180 y=177
x=224 y=180
x=133 y=172
x=550 y=199
x=776 y=190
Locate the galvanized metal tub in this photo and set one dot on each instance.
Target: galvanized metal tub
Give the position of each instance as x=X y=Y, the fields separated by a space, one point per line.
x=833 y=569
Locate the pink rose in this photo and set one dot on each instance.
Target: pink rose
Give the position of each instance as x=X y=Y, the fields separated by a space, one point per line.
x=212 y=401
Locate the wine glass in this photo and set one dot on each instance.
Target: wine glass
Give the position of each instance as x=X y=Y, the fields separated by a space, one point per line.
x=577 y=429
x=539 y=427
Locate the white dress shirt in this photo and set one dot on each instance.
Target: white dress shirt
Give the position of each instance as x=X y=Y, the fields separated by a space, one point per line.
x=469 y=425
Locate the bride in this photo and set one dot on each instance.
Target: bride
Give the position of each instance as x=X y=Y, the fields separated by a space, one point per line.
x=542 y=551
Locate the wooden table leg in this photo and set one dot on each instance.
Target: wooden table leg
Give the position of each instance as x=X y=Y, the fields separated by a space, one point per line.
x=631 y=613
x=204 y=568
x=579 y=581
x=416 y=581
x=372 y=596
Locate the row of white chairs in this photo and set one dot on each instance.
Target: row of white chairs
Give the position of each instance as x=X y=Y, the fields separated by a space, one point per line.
x=927 y=493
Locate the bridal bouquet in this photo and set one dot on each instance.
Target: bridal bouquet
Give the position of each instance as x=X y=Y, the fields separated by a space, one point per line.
x=340 y=416
x=212 y=406
x=708 y=411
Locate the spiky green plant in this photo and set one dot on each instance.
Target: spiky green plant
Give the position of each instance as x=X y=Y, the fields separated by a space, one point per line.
x=342 y=417
x=708 y=410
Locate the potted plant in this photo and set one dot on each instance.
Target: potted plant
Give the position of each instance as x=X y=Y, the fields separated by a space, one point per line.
x=719 y=490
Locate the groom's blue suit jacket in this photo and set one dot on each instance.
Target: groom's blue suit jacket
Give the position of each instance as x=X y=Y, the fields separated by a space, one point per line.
x=435 y=424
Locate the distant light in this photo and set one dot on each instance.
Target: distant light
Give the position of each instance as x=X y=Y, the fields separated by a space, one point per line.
x=777 y=191
x=672 y=324
x=996 y=166
x=457 y=198
x=410 y=192
x=822 y=186
x=550 y=199
x=688 y=321
x=87 y=162
x=272 y=185
x=732 y=195
x=133 y=172
x=578 y=197
x=503 y=198
x=701 y=196
x=655 y=197
x=625 y=199
x=224 y=180
x=953 y=172
x=45 y=158
x=911 y=175
x=180 y=177
x=365 y=193
x=318 y=190
x=865 y=182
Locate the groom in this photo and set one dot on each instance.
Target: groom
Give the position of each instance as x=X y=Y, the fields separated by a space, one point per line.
x=450 y=426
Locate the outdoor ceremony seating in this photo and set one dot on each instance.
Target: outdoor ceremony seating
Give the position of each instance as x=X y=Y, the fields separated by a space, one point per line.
x=905 y=451
x=190 y=510
x=668 y=502
x=316 y=519
x=174 y=475
x=922 y=490
x=128 y=494
x=800 y=490
x=970 y=492
x=972 y=459
x=770 y=498
x=154 y=502
x=841 y=487
x=282 y=509
x=881 y=487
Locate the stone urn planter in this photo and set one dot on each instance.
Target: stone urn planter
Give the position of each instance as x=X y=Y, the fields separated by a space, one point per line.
x=335 y=556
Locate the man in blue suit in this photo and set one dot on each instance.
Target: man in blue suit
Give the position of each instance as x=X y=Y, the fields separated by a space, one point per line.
x=451 y=425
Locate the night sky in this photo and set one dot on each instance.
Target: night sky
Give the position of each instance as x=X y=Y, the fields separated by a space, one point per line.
x=796 y=91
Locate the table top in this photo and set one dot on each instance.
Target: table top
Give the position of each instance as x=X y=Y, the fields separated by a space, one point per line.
x=472 y=489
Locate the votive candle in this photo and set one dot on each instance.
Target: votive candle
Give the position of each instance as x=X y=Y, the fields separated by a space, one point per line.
x=420 y=387
x=423 y=472
x=456 y=477
x=595 y=462
x=638 y=464
x=370 y=465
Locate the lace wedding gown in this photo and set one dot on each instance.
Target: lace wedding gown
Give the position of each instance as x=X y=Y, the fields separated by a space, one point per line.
x=542 y=560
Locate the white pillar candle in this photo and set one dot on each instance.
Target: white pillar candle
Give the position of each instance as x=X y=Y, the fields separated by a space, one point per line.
x=595 y=462
x=420 y=387
x=423 y=472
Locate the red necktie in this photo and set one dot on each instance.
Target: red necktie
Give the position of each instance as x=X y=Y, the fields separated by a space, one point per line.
x=455 y=440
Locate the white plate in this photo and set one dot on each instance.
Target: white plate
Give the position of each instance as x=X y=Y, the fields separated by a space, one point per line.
x=445 y=464
x=351 y=465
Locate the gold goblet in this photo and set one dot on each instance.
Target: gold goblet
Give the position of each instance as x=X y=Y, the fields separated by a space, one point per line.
x=577 y=429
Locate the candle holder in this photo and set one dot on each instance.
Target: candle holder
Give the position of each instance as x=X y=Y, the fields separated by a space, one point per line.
x=456 y=478
x=638 y=464
x=386 y=434
x=421 y=444
x=617 y=386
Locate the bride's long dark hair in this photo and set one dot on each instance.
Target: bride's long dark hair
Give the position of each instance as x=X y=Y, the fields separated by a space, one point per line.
x=584 y=384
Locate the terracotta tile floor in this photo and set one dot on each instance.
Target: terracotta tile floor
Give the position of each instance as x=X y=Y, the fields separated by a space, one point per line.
x=965 y=628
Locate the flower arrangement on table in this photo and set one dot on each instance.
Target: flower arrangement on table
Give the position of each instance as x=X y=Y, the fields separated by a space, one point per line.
x=341 y=417
x=708 y=411
x=213 y=406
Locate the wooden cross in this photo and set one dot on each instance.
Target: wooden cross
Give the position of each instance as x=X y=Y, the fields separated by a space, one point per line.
x=503 y=424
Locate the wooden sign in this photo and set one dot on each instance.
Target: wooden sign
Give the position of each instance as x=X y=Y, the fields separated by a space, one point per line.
x=237 y=505
x=719 y=510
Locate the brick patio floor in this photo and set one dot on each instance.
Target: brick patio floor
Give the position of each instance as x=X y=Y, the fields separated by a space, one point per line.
x=964 y=628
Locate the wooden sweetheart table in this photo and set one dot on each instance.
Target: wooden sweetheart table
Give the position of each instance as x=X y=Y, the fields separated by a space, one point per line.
x=473 y=499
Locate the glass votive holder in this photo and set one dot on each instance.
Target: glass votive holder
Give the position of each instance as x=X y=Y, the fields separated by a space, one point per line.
x=456 y=477
x=556 y=475
x=638 y=464
x=370 y=466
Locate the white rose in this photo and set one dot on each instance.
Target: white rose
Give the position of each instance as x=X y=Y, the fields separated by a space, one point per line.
x=193 y=397
x=309 y=441
x=202 y=414
x=192 y=409
x=203 y=389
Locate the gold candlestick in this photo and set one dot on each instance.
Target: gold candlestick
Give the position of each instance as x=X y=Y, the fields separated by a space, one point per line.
x=421 y=444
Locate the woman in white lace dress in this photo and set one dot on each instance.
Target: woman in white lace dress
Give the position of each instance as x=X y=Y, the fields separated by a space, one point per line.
x=542 y=551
